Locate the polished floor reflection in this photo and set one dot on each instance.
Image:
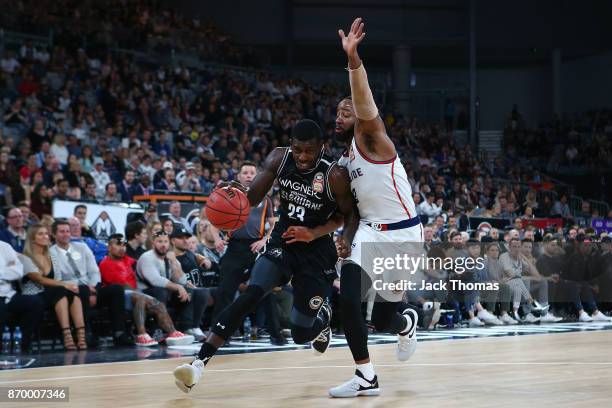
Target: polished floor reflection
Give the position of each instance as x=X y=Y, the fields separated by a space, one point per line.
x=109 y=354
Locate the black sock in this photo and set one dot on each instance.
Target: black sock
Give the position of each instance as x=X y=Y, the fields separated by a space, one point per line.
x=206 y=352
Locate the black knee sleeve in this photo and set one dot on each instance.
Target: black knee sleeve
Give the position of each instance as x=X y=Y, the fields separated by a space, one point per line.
x=231 y=317
x=355 y=329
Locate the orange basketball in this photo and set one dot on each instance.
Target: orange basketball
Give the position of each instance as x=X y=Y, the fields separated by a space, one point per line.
x=227 y=211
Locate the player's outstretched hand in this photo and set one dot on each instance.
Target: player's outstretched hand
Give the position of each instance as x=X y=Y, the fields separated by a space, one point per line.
x=298 y=234
x=228 y=184
x=354 y=37
x=343 y=249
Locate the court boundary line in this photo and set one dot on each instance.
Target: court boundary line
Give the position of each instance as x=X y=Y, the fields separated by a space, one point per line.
x=230 y=370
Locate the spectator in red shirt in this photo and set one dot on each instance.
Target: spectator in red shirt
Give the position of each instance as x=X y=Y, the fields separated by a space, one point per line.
x=117 y=268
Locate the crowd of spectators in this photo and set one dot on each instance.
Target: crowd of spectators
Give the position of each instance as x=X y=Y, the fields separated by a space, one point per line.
x=141 y=25
x=576 y=142
x=96 y=126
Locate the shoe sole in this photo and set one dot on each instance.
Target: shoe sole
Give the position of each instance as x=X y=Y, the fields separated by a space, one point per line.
x=181 y=376
x=365 y=393
x=320 y=353
x=181 y=341
x=147 y=345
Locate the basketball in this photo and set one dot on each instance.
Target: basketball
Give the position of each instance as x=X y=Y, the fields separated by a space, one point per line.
x=227 y=208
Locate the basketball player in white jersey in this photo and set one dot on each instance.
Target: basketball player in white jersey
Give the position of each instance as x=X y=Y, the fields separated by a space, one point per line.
x=387 y=215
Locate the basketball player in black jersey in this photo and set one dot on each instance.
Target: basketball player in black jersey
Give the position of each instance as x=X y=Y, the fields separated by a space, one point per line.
x=313 y=190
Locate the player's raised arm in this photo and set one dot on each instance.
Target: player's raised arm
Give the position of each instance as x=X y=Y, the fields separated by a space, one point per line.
x=265 y=179
x=369 y=124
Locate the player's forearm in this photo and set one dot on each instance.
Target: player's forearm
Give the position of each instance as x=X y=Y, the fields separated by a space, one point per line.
x=361 y=94
x=329 y=227
x=351 y=223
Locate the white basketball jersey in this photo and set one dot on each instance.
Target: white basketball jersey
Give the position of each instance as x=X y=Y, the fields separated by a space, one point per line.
x=381 y=188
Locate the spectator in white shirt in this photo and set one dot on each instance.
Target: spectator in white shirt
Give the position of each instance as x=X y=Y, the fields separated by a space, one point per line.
x=25 y=310
x=429 y=208
x=100 y=177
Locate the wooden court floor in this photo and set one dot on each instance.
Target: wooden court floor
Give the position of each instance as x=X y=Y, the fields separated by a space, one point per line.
x=546 y=370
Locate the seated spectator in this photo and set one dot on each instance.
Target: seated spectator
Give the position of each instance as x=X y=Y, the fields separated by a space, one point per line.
x=101 y=177
x=43 y=278
x=168 y=183
x=41 y=200
x=125 y=188
x=160 y=275
x=208 y=238
x=175 y=215
x=150 y=214
x=111 y=194
x=117 y=269
x=153 y=228
x=194 y=266
x=514 y=265
x=142 y=187
x=98 y=248
x=14 y=234
x=492 y=272
x=168 y=225
x=578 y=268
x=80 y=212
x=428 y=209
x=90 y=193
x=136 y=235
x=26 y=310
x=77 y=264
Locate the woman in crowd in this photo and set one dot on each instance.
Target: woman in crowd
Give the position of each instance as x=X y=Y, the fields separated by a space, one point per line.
x=43 y=278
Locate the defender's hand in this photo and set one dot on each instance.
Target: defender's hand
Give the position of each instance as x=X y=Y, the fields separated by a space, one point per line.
x=298 y=234
x=354 y=37
x=342 y=247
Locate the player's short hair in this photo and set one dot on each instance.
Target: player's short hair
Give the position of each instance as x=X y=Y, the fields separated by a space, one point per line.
x=306 y=130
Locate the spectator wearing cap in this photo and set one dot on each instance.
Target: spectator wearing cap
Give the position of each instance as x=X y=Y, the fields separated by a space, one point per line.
x=150 y=214
x=100 y=176
x=136 y=235
x=161 y=276
x=188 y=180
x=117 y=269
x=14 y=234
x=175 y=215
x=168 y=183
x=194 y=266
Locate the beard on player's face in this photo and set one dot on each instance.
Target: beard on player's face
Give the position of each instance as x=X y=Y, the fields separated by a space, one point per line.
x=344 y=135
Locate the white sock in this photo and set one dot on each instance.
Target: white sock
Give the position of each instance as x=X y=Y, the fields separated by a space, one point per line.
x=367 y=370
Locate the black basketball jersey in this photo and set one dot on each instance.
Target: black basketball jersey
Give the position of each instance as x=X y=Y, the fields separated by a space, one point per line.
x=306 y=198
